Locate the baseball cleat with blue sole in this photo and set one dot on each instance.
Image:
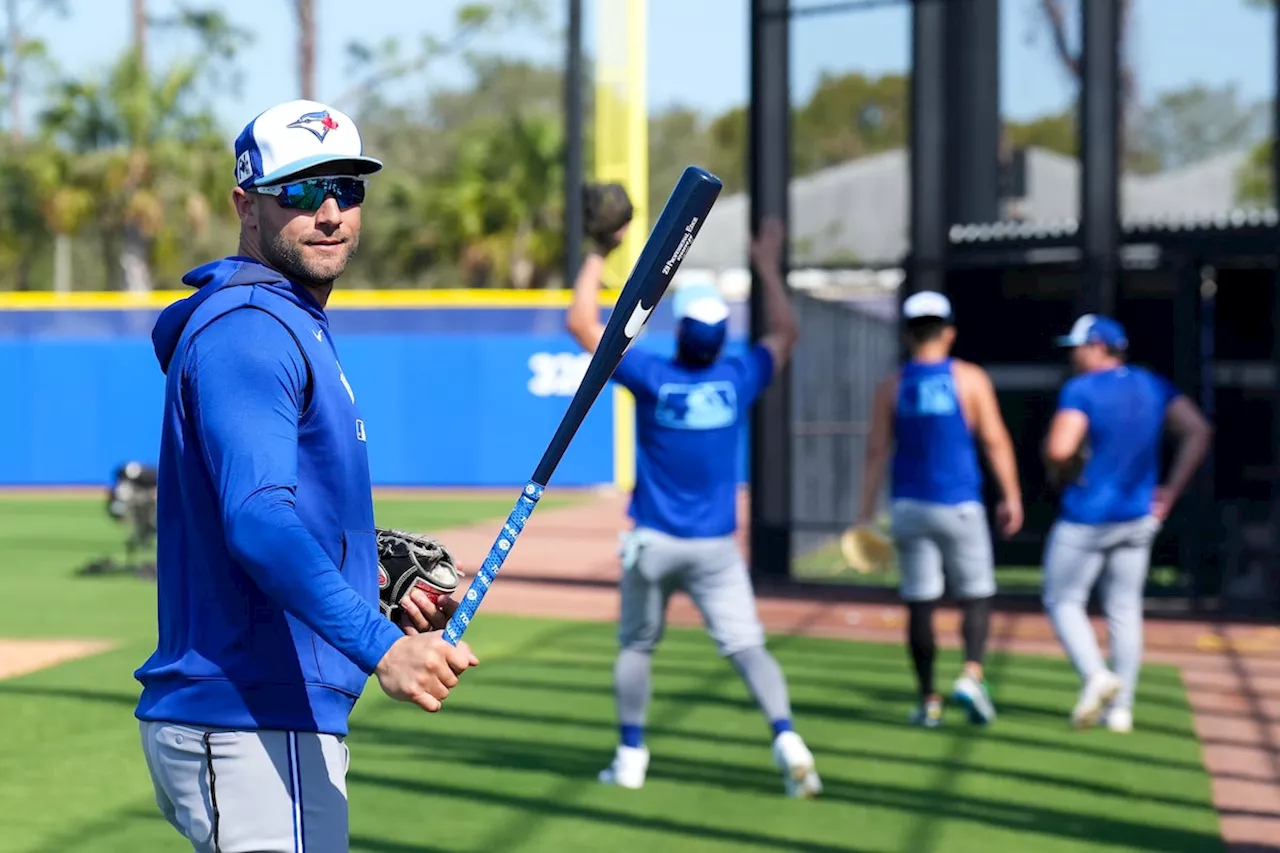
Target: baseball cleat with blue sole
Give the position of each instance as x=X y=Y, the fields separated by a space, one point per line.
x=976 y=699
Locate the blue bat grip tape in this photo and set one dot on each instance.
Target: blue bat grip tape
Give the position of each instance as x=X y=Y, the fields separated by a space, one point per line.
x=493 y=562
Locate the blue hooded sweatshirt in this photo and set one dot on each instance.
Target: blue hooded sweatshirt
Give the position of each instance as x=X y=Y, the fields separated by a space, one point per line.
x=267 y=562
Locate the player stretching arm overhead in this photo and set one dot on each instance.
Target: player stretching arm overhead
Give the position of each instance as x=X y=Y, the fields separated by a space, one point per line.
x=1103 y=446
x=690 y=408
x=268 y=595
x=925 y=418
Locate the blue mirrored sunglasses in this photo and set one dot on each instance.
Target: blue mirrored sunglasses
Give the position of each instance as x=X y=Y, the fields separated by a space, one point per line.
x=310 y=193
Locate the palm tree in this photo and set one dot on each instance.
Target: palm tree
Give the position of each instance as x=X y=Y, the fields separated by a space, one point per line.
x=306 y=12
x=496 y=209
x=141 y=167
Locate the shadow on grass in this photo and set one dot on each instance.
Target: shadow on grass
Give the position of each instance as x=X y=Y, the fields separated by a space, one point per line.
x=101 y=832
x=824 y=663
x=807 y=709
x=922 y=805
x=553 y=806
x=76 y=694
x=658 y=729
x=381 y=845
x=1167 y=692
x=559 y=759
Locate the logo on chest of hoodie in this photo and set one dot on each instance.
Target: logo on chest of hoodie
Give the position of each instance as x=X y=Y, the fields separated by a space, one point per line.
x=360 y=433
x=345 y=383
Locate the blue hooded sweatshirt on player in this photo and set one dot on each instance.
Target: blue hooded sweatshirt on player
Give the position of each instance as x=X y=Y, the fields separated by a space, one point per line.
x=267 y=561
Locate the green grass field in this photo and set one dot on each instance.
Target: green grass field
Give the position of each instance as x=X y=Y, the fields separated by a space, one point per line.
x=510 y=764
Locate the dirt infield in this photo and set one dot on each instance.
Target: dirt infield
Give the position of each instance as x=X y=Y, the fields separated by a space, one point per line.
x=1232 y=672
x=19 y=657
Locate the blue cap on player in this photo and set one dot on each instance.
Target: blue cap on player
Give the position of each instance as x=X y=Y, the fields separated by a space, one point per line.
x=702 y=318
x=296 y=136
x=1095 y=329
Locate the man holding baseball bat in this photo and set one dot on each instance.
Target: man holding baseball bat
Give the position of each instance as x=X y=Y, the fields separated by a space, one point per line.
x=273 y=585
x=929 y=412
x=689 y=414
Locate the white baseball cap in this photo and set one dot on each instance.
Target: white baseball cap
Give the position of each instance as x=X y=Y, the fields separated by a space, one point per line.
x=926 y=303
x=701 y=302
x=295 y=136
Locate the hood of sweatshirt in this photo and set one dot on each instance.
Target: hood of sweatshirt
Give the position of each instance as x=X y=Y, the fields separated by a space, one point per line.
x=213 y=277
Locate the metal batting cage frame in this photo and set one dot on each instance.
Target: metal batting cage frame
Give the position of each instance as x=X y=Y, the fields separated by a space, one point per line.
x=1198 y=298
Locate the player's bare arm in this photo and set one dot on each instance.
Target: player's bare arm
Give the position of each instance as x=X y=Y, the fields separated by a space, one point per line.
x=997 y=445
x=607 y=212
x=879 y=445
x=1194 y=435
x=782 y=329
x=583 y=319
x=1064 y=444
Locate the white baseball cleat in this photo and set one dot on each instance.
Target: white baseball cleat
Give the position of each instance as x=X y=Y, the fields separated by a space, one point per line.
x=1100 y=689
x=793 y=758
x=1120 y=720
x=973 y=694
x=630 y=764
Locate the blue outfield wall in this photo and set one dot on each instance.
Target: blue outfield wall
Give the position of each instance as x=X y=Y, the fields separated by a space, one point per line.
x=451 y=396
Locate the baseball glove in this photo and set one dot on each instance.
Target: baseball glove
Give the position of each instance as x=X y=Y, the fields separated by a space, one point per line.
x=605 y=209
x=408 y=560
x=865 y=549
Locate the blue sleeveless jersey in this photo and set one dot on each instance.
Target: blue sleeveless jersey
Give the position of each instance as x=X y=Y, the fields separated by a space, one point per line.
x=934 y=456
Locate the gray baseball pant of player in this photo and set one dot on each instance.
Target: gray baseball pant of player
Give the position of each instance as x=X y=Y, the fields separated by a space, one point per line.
x=943 y=546
x=250 y=792
x=711 y=570
x=1077 y=556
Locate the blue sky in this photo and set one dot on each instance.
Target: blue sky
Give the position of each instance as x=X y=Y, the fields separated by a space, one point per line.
x=698 y=48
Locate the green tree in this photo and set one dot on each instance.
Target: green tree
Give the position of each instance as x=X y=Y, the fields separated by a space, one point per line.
x=375 y=67
x=1191 y=124
x=678 y=136
x=305 y=12
x=1056 y=14
x=20 y=53
x=472 y=191
x=1055 y=132
x=146 y=164
x=25 y=65
x=849 y=116
x=1254 y=185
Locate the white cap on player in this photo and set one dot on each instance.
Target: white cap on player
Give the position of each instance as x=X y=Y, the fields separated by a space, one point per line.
x=926 y=303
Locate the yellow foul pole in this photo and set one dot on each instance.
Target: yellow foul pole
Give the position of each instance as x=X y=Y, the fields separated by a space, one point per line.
x=622 y=154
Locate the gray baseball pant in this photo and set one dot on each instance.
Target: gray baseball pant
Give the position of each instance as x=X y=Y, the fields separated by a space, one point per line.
x=711 y=570
x=250 y=791
x=941 y=546
x=1077 y=556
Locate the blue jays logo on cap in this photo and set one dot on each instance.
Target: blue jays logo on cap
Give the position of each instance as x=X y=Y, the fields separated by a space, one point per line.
x=319 y=123
x=274 y=147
